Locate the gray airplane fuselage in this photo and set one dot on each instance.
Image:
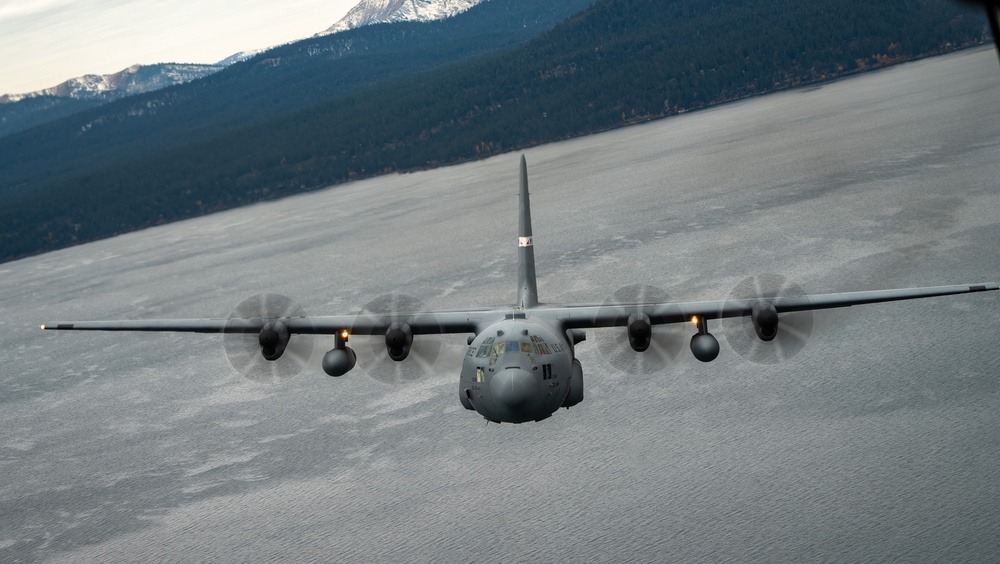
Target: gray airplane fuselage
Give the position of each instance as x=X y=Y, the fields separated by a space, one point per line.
x=519 y=369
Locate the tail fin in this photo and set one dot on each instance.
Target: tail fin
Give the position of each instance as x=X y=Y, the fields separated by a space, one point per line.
x=527 y=293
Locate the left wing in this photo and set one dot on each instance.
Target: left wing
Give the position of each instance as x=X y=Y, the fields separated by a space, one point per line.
x=591 y=316
x=763 y=312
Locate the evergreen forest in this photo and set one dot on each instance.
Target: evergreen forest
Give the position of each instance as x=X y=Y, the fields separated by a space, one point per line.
x=254 y=133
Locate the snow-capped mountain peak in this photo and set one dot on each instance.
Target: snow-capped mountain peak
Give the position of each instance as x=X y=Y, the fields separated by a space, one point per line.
x=370 y=12
x=135 y=79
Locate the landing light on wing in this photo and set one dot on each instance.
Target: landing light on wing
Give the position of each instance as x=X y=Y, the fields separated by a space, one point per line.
x=344 y=335
x=43 y=328
x=694 y=320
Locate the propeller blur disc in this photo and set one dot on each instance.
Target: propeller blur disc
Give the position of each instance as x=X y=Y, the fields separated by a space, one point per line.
x=665 y=340
x=794 y=329
x=371 y=350
x=243 y=349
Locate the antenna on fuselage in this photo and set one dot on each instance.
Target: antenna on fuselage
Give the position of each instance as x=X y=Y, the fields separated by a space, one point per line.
x=527 y=292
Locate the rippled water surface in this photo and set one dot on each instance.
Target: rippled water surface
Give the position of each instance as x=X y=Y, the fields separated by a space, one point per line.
x=879 y=441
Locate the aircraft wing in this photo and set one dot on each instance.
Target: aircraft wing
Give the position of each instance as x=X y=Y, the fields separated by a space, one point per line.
x=571 y=317
x=591 y=316
x=430 y=323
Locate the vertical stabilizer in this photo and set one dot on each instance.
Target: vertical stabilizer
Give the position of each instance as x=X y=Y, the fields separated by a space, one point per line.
x=527 y=292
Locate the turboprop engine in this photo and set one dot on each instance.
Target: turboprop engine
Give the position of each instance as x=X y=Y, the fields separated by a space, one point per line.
x=765 y=320
x=639 y=331
x=398 y=339
x=273 y=339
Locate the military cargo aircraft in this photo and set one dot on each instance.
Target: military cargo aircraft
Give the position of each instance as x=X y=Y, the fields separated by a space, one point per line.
x=520 y=364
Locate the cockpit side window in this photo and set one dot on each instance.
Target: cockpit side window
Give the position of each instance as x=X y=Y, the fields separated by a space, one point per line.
x=484 y=351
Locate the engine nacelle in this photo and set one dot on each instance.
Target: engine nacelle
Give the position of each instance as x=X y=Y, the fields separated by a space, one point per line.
x=575 y=394
x=339 y=361
x=765 y=320
x=398 y=339
x=705 y=347
x=639 y=331
x=273 y=339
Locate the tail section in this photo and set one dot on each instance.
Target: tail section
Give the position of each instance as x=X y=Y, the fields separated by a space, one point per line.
x=527 y=293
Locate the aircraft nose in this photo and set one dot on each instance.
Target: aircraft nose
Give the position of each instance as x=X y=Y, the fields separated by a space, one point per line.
x=514 y=387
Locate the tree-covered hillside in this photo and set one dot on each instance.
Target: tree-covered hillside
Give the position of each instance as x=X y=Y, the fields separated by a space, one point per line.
x=274 y=83
x=620 y=62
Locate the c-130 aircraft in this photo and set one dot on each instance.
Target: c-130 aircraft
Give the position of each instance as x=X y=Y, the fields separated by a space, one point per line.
x=520 y=364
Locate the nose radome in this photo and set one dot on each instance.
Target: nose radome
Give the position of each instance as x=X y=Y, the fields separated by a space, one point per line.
x=514 y=387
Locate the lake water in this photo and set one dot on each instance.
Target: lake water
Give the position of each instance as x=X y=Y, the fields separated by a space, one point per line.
x=879 y=441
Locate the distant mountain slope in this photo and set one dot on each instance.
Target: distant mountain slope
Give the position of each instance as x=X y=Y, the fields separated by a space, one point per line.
x=22 y=111
x=19 y=112
x=369 y=12
x=133 y=80
x=35 y=110
x=620 y=62
x=273 y=83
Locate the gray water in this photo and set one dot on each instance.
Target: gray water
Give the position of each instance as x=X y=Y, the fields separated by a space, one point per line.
x=879 y=441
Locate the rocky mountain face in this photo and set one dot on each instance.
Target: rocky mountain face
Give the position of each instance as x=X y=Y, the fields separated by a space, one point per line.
x=22 y=111
x=370 y=12
x=133 y=80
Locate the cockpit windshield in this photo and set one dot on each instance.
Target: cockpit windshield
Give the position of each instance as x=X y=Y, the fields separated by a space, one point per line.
x=491 y=349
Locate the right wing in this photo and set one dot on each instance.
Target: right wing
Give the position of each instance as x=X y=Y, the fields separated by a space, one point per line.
x=428 y=323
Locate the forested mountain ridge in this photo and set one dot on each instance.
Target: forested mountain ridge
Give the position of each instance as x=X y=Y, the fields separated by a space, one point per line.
x=622 y=61
x=23 y=111
x=273 y=83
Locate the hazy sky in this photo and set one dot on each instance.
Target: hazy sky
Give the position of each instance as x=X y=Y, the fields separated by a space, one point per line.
x=45 y=42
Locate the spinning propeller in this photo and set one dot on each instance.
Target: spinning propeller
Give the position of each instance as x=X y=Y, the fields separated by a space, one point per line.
x=767 y=337
x=249 y=353
x=636 y=347
x=383 y=355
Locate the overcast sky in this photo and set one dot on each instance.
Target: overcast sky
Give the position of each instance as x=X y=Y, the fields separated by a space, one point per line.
x=45 y=42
